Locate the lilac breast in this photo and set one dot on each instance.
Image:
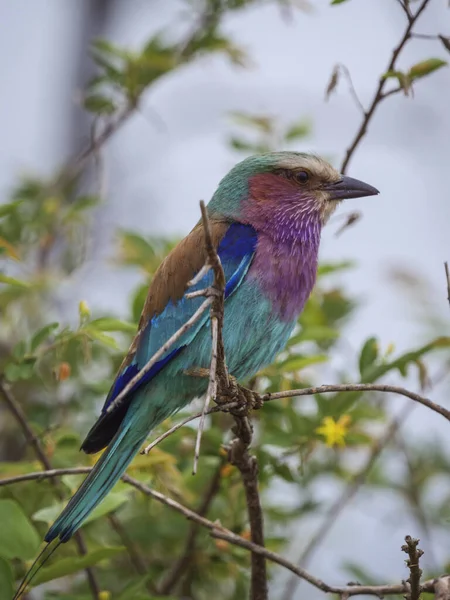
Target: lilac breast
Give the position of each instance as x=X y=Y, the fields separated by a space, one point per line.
x=285 y=273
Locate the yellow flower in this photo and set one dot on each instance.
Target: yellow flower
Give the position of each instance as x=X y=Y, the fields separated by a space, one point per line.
x=104 y=595
x=333 y=431
x=83 y=309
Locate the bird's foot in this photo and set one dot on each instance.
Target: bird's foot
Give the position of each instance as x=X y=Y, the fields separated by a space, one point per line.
x=247 y=400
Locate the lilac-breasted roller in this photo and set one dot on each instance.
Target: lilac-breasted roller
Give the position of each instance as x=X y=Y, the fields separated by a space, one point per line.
x=266 y=218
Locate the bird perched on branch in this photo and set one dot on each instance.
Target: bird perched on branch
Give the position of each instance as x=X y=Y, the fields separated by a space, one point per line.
x=266 y=218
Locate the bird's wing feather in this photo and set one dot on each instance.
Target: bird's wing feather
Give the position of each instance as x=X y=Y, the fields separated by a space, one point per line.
x=166 y=309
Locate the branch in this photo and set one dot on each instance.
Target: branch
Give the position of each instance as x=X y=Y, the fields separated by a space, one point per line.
x=217 y=531
x=217 y=365
x=412 y=563
x=447 y=277
x=442 y=588
x=33 y=441
x=359 y=387
x=342 y=501
x=248 y=467
x=379 y=92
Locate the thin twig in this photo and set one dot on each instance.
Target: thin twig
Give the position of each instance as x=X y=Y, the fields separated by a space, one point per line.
x=34 y=442
x=405 y=6
x=173 y=578
x=412 y=563
x=360 y=387
x=342 y=501
x=222 y=533
x=447 y=277
x=352 y=89
x=379 y=95
x=221 y=408
x=164 y=348
x=210 y=394
x=217 y=367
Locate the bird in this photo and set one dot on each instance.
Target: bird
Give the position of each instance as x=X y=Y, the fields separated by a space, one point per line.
x=266 y=218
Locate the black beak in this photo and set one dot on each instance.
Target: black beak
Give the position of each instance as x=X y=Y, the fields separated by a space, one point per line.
x=347 y=188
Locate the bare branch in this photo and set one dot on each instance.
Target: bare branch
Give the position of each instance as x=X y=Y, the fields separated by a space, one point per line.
x=248 y=468
x=447 y=277
x=222 y=533
x=412 y=563
x=222 y=408
x=360 y=387
x=210 y=394
x=379 y=92
x=217 y=311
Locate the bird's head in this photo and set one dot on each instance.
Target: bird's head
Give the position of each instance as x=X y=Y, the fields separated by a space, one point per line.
x=284 y=191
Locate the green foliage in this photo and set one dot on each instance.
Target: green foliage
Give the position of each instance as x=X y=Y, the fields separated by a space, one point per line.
x=417 y=71
x=19 y=538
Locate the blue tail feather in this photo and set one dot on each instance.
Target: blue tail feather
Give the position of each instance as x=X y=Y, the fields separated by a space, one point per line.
x=105 y=474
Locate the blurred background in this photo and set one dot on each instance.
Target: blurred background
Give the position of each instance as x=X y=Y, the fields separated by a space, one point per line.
x=258 y=81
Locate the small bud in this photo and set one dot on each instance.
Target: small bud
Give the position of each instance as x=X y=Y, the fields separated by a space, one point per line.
x=63 y=371
x=390 y=349
x=83 y=309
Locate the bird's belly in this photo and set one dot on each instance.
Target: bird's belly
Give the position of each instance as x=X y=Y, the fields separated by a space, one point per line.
x=252 y=333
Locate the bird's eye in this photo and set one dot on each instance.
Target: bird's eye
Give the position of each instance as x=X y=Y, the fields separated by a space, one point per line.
x=302 y=176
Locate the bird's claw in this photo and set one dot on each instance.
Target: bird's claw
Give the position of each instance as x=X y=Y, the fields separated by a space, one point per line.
x=247 y=400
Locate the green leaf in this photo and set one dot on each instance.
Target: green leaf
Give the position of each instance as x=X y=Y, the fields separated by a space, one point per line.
x=6 y=580
x=12 y=281
x=296 y=363
x=12 y=372
x=19 y=538
x=110 y=504
x=138 y=301
x=7 y=209
x=42 y=334
x=99 y=336
x=99 y=104
x=241 y=145
x=338 y=1
x=22 y=371
x=73 y=564
x=110 y=324
x=299 y=130
x=426 y=67
x=369 y=355
x=317 y=333
x=19 y=350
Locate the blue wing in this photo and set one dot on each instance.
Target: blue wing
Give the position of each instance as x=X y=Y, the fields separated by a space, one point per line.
x=235 y=250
